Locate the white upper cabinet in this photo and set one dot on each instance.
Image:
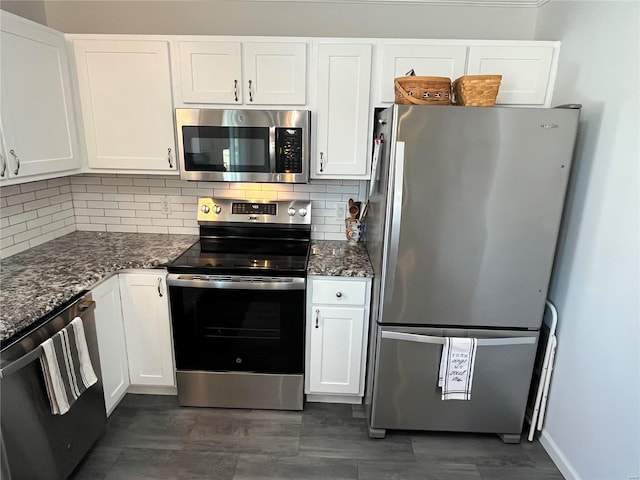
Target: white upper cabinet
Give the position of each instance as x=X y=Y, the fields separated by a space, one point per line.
x=38 y=121
x=528 y=72
x=249 y=73
x=125 y=95
x=343 y=86
x=424 y=59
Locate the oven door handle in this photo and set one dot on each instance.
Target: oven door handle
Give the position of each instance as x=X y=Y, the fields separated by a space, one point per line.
x=240 y=283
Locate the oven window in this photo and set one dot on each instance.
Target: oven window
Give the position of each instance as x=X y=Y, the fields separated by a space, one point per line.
x=226 y=149
x=238 y=330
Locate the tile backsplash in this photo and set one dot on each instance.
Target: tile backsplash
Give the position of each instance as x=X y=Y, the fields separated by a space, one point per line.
x=33 y=213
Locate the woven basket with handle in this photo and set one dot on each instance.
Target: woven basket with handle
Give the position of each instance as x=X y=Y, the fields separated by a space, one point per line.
x=416 y=90
x=476 y=90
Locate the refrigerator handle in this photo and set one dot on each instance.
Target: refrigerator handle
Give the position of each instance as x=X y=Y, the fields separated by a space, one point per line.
x=396 y=219
x=484 y=342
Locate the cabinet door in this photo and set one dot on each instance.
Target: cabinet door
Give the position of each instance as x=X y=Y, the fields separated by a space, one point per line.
x=425 y=60
x=526 y=71
x=275 y=73
x=210 y=72
x=37 y=112
x=125 y=93
x=335 y=352
x=111 y=342
x=343 y=88
x=148 y=332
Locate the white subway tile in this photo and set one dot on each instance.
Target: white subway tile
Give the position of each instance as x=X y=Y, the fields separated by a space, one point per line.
x=122 y=228
x=48 y=192
x=4 y=222
x=152 y=229
x=63 y=214
x=168 y=222
x=49 y=210
x=317 y=235
x=184 y=230
x=197 y=192
x=23 y=217
x=165 y=191
x=38 y=222
x=53 y=226
x=62 y=198
x=136 y=221
x=106 y=220
x=90 y=227
x=118 y=197
x=325 y=196
x=82 y=219
x=10 y=211
x=87 y=196
x=13 y=230
x=58 y=182
x=65 y=189
x=118 y=181
x=171 y=183
x=102 y=204
x=133 y=206
x=309 y=188
x=12 y=250
x=352 y=190
x=3 y=202
x=231 y=194
x=149 y=214
x=149 y=182
x=35 y=205
x=70 y=221
x=9 y=190
x=79 y=203
x=260 y=195
x=85 y=180
x=45 y=237
x=119 y=213
x=6 y=242
x=148 y=198
x=28 y=235
x=335 y=236
x=20 y=198
x=78 y=188
x=33 y=186
x=293 y=196
x=186 y=200
x=63 y=231
x=91 y=212
x=102 y=188
x=325 y=228
x=278 y=187
x=134 y=190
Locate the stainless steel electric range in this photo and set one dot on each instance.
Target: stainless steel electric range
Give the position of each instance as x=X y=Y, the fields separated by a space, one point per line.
x=238 y=305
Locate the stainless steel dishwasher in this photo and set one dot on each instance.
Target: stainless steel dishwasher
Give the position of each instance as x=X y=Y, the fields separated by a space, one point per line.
x=34 y=443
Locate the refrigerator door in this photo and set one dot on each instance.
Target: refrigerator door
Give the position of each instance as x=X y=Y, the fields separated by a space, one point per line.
x=476 y=198
x=406 y=394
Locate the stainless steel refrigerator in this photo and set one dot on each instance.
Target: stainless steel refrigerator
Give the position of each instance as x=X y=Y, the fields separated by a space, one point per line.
x=462 y=224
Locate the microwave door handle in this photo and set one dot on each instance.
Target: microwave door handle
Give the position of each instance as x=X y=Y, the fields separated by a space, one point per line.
x=273 y=149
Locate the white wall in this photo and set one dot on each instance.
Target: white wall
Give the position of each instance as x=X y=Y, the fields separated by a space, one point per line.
x=592 y=428
x=308 y=18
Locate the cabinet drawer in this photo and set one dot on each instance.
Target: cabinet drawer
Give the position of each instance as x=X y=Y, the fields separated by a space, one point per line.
x=339 y=292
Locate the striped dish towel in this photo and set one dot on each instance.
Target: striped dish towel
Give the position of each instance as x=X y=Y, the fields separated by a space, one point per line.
x=456 y=368
x=66 y=366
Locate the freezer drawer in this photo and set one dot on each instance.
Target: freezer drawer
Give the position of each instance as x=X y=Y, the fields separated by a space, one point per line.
x=406 y=394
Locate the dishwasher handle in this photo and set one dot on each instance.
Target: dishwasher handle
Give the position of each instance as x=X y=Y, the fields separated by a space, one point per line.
x=482 y=342
x=34 y=354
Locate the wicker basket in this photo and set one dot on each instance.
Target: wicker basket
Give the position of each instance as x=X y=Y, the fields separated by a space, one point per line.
x=476 y=90
x=414 y=90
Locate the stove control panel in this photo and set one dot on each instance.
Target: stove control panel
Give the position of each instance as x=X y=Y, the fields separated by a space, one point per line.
x=295 y=212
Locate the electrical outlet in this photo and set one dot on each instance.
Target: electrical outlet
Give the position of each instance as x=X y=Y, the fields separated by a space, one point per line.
x=165 y=205
x=340 y=212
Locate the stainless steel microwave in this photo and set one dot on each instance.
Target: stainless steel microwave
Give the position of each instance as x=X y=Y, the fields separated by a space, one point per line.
x=243 y=145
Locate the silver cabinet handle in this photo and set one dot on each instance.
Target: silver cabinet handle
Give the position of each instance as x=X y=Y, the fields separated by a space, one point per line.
x=169 y=157
x=321 y=162
x=235 y=90
x=159 y=285
x=3 y=168
x=338 y=294
x=250 y=91
x=317 y=317
x=15 y=156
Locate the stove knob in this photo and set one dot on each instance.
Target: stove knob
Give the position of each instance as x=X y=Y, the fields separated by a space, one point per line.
x=205 y=209
x=217 y=209
x=302 y=212
x=291 y=211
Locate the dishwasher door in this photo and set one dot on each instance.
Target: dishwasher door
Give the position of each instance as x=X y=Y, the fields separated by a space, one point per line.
x=36 y=444
x=406 y=394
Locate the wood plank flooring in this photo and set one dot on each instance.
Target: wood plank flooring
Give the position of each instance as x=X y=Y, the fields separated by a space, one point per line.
x=151 y=437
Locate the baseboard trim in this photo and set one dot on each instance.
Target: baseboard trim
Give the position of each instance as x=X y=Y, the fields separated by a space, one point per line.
x=152 y=390
x=558 y=457
x=320 y=398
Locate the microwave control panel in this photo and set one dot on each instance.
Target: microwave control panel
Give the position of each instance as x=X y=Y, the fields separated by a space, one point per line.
x=288 y=150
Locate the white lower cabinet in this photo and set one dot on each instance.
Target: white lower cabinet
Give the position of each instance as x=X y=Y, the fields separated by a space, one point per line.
x=337 y=326
x=111 y=341
x=148 y=328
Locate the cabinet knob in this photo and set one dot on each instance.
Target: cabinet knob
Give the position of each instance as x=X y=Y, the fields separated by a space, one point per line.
x=317 y=317
x=321 y=162
x=339 y=294
x=169 y=157
x=235 y=90
x=159 y=285
x=250 y=91
x=3 y=165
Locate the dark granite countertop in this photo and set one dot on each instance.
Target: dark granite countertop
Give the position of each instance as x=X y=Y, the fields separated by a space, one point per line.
x=338 y=258
x=37 y=281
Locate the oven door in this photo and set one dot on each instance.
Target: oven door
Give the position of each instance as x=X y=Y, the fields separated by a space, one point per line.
x=238 y=324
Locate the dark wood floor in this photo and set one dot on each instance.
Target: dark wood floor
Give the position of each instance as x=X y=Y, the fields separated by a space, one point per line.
x=151 y=437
